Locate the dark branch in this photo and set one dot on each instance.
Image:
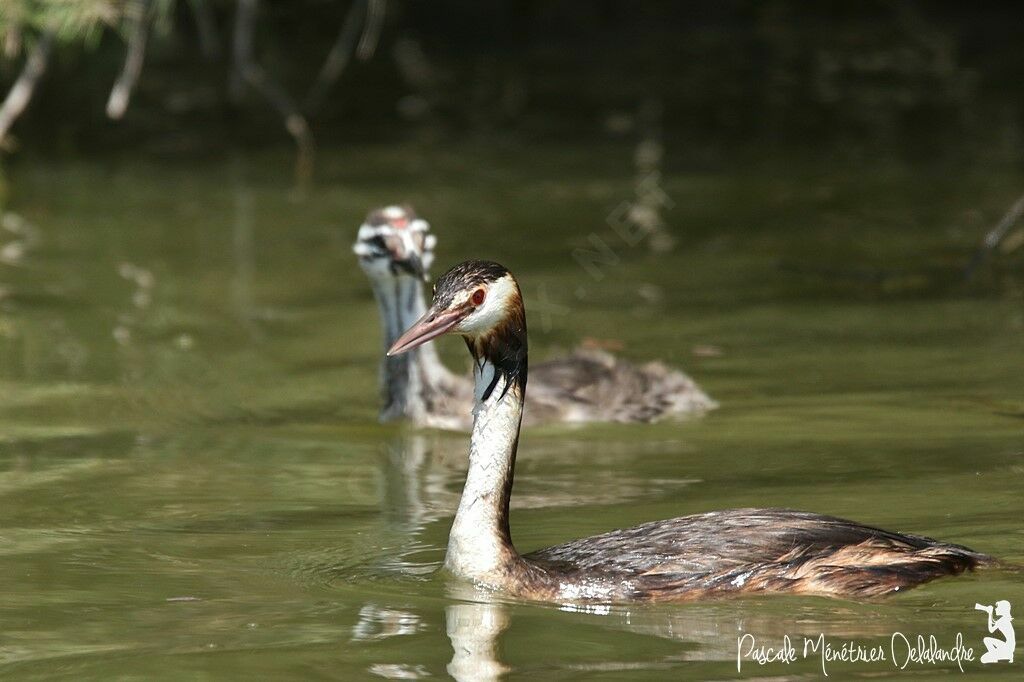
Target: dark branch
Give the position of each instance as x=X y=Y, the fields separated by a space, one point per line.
x=995 y=237
x=340 y=54
x=371 y=33
x=241 y=47
x=206 y=25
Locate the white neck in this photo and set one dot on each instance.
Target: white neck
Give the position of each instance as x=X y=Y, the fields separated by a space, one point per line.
x=405 y=379
x=479 y=539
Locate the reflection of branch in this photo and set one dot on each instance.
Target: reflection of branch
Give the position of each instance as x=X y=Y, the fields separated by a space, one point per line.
x=995 y=236
x=355 y=24
x=247 y=71
x=21 y=92
x=206 y=25
x=244 y=249
x=137 y=14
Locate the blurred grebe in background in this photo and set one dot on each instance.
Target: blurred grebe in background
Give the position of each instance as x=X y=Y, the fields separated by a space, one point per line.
x=395 y=249
x=690 y=557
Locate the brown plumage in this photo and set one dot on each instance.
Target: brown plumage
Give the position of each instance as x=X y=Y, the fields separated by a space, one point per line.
x=739 y=551
x=718 y=553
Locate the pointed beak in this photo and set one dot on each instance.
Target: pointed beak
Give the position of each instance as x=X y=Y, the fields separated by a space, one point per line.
x=428 y=327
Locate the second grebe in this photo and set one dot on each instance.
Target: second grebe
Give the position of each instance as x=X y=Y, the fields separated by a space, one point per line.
x=395 y=250
x=690 y=557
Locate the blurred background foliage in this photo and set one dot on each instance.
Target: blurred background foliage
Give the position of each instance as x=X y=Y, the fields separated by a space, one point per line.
x=852 y=76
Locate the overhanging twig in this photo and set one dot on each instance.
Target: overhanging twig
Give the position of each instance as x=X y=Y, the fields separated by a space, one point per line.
x=137 y=14
x=252 y=74
x=21 y=92
x=371 y=33
x=340 y=54
x=206 y=26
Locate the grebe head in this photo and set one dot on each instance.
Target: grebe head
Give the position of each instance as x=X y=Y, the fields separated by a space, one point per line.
x=394 y=242
x=479 y=300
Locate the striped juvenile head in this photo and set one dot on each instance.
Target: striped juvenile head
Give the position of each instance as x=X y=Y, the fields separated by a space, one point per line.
x=393 y=242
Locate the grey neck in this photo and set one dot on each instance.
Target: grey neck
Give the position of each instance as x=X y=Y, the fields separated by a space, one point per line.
x=480 y=544
x=407 y=379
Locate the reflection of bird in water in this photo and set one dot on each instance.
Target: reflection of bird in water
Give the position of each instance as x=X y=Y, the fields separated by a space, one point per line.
x=473 y=629
x=476 y=622
x=378 y=622
x=422 y=472
x=395 y=250
x=717 y=553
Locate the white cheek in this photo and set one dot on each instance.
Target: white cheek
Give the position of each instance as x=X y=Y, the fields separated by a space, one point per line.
x=493 y=310
x=485 y=317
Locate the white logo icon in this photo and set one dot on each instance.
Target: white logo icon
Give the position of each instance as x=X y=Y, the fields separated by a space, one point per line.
x=998 y=649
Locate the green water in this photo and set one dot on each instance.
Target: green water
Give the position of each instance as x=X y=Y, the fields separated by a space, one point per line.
x=193 y=484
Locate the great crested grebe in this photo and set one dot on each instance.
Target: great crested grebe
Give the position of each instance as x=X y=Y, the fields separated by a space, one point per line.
x=395 y=250
x=690 y=557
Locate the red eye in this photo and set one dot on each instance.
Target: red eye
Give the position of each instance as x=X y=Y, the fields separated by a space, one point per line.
x=478 y=297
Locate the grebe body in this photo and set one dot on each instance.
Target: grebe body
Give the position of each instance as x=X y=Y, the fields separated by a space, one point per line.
x=691 y=557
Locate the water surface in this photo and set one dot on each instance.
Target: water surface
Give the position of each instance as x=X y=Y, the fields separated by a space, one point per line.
x=193 y=482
